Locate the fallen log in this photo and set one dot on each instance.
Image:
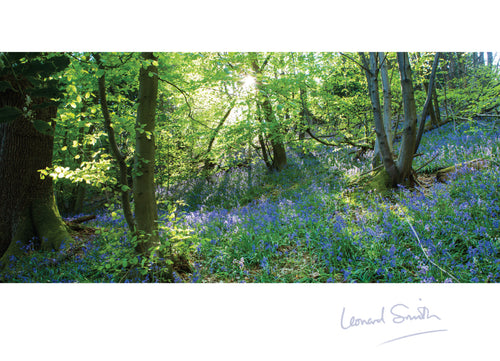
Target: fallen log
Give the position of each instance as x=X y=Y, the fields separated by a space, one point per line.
x=83 y=219
x=443 y=175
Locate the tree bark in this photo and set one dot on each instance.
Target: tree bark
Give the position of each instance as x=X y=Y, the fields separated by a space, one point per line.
x=144 y=190
x=29 y=211
x=437 y=112
x=407 y=149
x=371 y=71
x=387 y=95
x=428 y=101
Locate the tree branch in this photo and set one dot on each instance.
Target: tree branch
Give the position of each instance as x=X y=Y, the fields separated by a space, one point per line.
x=365 y=66
x=190 y=113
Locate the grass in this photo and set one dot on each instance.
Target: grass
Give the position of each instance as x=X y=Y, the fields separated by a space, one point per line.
x=302 y=226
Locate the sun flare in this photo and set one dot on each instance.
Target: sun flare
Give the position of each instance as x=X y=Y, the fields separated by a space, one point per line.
x=248 y=82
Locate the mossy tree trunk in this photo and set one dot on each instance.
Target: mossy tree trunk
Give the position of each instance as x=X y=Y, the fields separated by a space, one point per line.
x=28 y=208
x=399 y=172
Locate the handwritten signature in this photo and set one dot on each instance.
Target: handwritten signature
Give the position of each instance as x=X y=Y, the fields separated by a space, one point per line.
x=397 y=314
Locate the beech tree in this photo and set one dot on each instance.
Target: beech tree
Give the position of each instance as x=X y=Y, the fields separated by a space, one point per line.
x=28 y=87
x=144 y=159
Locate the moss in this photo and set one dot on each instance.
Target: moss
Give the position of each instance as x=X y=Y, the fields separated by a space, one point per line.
x=49 y=225
x=378 y=180
x=43 y=221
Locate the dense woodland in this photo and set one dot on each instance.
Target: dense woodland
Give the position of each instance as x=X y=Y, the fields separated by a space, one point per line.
x=249 y=167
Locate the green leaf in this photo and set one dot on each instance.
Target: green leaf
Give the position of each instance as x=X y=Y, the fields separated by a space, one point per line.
x=8 y=114
x=124 y=263
x=43 y=127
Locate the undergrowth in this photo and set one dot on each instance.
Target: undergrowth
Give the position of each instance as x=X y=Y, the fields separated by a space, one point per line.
x=302 y=226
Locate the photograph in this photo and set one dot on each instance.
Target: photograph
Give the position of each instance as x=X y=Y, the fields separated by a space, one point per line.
x=243 y=167
x=265 y=180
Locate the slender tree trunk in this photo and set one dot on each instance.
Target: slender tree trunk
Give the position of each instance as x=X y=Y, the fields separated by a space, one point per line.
x=117 y=155
x=28 y=208
x=481 y=58
x=279 y=152
x=490 y=58
x=371 y=71
x=407 y=150
x=208 y=162
x=428 y=101
x=437 y=111
x=387 y=95
x=144 y=190
x=431 y=112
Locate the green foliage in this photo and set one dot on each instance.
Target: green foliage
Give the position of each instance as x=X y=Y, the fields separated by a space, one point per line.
x=218 y=164
x=43 y=127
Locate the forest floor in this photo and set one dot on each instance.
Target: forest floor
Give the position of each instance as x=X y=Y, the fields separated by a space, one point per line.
x=306 y=224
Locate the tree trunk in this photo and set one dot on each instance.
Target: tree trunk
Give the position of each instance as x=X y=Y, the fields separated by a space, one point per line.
x=408 y=143
x=279 y=160
x=490 y=58
x=481 y=58
x=437 y=112
x=144 y=190
x=279 y=152
x=428 y=101
x=371 y=71
x=209 y=163
x=432 y=112
x=115 y=151
x=386 y=86
x=29 y=211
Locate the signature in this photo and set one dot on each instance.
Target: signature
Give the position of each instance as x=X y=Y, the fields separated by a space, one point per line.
x=396 y=314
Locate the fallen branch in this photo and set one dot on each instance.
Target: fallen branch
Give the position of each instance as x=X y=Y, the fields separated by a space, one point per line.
x=83 y=219
x=426 y=164
x=444 y=174
x=488 y=115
